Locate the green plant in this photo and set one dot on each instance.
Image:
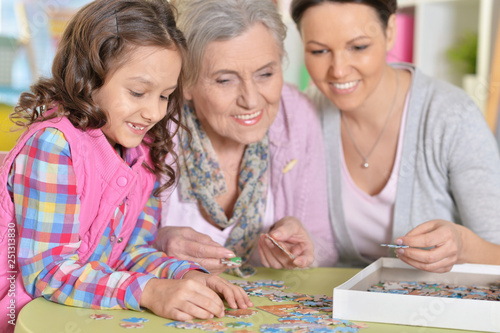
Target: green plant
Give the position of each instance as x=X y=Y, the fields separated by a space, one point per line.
x=464 y=53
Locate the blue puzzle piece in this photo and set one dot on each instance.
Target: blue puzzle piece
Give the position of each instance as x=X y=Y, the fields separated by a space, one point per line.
x=135 y=320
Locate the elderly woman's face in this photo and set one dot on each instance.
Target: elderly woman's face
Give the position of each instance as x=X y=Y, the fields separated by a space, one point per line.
x=237 y=94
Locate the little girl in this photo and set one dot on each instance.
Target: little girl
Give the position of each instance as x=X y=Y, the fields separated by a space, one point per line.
x=78 y=193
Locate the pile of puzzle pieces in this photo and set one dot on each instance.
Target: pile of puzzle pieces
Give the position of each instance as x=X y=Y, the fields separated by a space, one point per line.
x=307 y=313
x=489 y=293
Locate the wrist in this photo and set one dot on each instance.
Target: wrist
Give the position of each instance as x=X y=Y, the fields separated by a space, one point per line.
x=192 y=274
x=147 y=292
x=473 y=247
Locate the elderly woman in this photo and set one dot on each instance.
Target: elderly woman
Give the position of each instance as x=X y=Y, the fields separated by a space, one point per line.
x=253 y=162
x=410 y=157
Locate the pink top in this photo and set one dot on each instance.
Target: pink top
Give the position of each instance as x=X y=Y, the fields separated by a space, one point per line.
x=103 y=181
x=369 y=218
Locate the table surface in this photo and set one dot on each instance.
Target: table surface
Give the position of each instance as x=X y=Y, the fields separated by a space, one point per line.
x=41 y=315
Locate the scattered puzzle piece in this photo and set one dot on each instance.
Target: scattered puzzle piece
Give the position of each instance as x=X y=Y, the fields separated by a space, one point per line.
x=182 y=324
x=278 y=310
x=206 y=325
x=211 y=325
x=101 y=316
x=240 y=313
x=136 y=320
x=239 y=324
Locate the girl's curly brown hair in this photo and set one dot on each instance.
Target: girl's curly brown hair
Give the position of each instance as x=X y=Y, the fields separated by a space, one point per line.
x=96 y=42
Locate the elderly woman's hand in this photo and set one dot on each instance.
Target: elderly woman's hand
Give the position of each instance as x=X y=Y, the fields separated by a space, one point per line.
x=187 y=244
x=290 y=232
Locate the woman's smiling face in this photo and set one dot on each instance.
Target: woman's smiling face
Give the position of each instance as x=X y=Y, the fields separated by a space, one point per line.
x=345 y=51
x=237 y=94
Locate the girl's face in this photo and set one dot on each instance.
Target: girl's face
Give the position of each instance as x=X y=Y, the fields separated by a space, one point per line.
x=345 y=51
x=135 y=96
x=237 y=94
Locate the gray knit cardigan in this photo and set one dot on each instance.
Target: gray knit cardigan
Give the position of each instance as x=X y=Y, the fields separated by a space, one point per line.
x=450 y=167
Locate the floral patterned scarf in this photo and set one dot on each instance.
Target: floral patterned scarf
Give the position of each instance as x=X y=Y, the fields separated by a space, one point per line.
x=201 y=180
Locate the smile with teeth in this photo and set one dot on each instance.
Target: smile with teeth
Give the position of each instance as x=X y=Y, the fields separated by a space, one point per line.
x=136 y=127
x=346 y=85
x=248 y=116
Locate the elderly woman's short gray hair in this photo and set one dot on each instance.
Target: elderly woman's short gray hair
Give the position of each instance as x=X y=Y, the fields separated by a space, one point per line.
x=205 y=21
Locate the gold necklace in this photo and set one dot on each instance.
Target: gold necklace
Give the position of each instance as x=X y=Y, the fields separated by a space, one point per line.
x=365 y=164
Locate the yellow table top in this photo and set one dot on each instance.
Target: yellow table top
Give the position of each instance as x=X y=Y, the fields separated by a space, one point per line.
x=7 y=137
x=41 y=315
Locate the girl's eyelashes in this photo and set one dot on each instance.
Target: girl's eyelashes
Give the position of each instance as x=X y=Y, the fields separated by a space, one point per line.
x=138 y=95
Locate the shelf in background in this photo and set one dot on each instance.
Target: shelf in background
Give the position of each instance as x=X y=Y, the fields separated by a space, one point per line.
x=439 y=25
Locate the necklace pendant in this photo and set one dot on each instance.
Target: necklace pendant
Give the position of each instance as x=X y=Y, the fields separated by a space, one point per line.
x=366 y=165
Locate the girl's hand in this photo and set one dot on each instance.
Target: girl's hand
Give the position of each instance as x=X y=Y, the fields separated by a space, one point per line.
x=235 y=296
x=194 y=296
x=290 y=232
x=187 y=244
x=445 y=241
x=181 y=299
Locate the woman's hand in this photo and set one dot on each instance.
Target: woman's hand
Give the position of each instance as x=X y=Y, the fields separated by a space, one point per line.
x=449 y=244
x=445 y=243
x=290 y=232
x=194 y=296
x=187 y=244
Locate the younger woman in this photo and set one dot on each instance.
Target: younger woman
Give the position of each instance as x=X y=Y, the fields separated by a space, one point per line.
x=78 y=193
x=410 y=158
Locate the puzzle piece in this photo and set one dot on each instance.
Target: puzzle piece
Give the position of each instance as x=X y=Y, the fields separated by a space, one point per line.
x=101 y=316
x=135 y=320
x=206 y=325
x=239 y=324
x=211 y=325
x=278 y=310
x=240 y=313
x=280 y=246
x=304 y=318
x=181 y=324
x=305 y=311
x=236 y=261
x=395 y=246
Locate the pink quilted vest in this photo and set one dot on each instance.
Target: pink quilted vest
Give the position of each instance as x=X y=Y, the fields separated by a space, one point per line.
x=103 y=181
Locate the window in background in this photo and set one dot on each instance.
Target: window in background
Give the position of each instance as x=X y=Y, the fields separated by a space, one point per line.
x=29 y=34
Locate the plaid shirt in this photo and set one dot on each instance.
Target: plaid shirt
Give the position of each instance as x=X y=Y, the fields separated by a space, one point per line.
x=42 y=183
